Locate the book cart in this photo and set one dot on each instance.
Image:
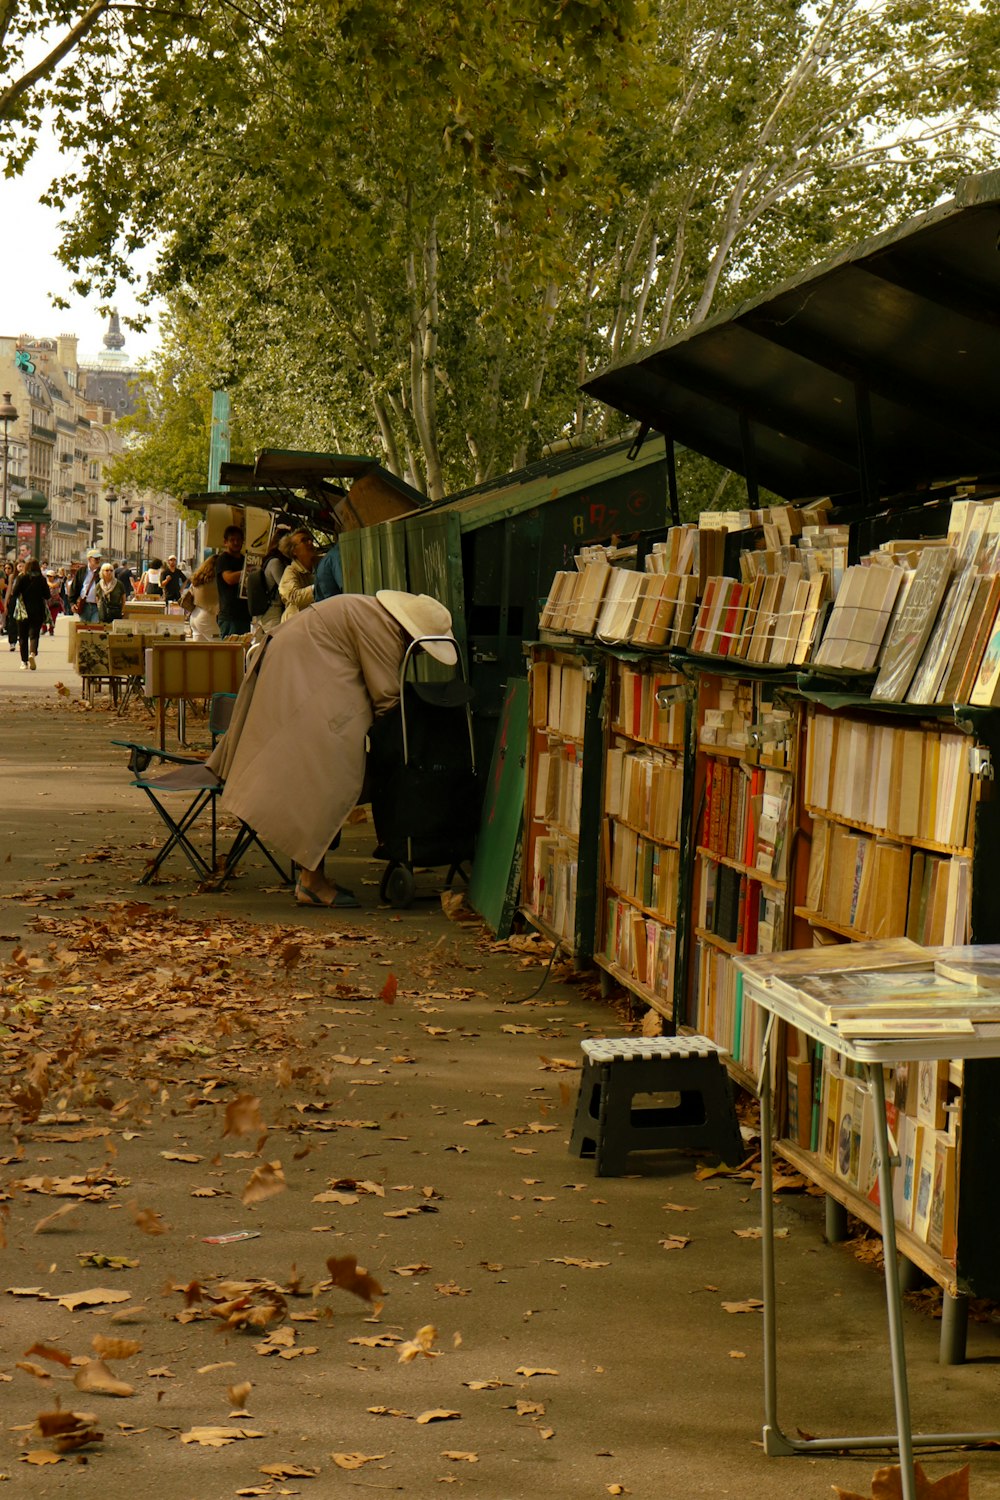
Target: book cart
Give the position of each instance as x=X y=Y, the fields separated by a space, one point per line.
x=897 y=827
x=562 y=794
x=646 y=815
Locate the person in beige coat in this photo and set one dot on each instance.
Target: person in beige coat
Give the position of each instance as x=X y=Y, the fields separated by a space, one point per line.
x=293 y=759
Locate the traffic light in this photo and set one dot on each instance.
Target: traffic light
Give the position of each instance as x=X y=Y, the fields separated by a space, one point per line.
x=96 y=532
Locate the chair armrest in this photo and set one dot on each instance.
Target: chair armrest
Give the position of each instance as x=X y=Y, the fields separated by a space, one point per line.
x=141 y=755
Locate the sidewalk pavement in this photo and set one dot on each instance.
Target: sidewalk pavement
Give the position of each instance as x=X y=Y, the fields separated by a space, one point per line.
x=384 y=1085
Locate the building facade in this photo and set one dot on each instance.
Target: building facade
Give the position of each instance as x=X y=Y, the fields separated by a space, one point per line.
x=61 y=446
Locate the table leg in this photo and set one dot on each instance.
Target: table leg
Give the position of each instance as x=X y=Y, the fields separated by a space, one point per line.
x=893 y=1294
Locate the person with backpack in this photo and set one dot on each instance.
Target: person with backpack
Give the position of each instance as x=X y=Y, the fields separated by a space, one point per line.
x=262 y=584
x=296 y=587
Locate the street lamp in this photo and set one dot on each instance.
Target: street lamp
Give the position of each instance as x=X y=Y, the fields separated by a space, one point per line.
x=111 y=500
x=150 y=530
x=8 y=414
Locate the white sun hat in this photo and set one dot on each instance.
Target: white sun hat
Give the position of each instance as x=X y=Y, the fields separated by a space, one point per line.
x=422 y=616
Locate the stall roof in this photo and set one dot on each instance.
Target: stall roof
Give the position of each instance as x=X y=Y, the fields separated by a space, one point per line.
x=552 y=478
x=293 y=469
x=873 y=372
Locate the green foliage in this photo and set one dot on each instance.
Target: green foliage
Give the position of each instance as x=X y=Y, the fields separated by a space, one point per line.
x=411 y=231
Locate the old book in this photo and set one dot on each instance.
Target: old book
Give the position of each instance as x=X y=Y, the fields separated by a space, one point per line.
x=912 y=626
x=972 y=647
x=939 y=653
x=588 y=596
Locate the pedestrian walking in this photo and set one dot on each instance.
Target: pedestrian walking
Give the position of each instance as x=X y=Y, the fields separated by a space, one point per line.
x=29 y=601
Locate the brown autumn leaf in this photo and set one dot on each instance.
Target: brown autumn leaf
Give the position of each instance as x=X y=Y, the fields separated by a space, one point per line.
x=68 y=1430
x=558 y=1064
x=529 y=1370
x=44 y=1225
x=106 y=1348
x=572 y=1260
x=217 y=1437
x=389 y=990
x=438 y=1414
x=676 y=1242
x=288 y=1471
x=750 y=1304
x=39 y=1456
x=356 y=1460
x=457 y=1457
x=418 y=1268
x=98 y=1297
x=887 y=1484
x=346 y=1274
x=30 y=1368
x=47 y=1351
x=239 y=1394
x=421 y=1343
x=96 y=1378
x=187 y=1156
x=529 y=1408
x=148 y=1219
x=264 y=1182
x=485 y=1385
x=243 y=1116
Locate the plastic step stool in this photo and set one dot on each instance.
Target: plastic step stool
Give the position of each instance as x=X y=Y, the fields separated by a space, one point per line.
x=607 y=1126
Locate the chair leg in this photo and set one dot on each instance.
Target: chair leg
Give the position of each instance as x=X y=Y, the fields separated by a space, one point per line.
x=179 y=836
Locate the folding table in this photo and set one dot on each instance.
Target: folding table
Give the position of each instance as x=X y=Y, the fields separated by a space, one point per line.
x=778 y=999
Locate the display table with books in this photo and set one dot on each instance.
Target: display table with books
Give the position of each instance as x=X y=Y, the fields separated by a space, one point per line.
x=877 y=1006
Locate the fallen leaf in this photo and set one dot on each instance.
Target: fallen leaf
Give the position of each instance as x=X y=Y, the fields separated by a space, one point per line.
x=529 y=1408
x=148 y=1220
x=217 y=1437
x=357 y=1460
x=756 y=1233
x=46 y=1351
x=438 y=1414
x=751 y=1304
x=265 y=1181
x=288 y=1471
x=421 y=1343
x=887 y=1484
x=239 y=1394
x=106 y=1348
x=346 y=1274
x=485 y=1385
x=180 y=1156
x=94 y=1376
x=457 y=1457
x=44 y=1225
x=388 y=992
x=572 y=1260
x=529 y=1370
x=418 y=1268
x=736 y=1354
x=676 y=1242
x=99 y=1297
x=243 y=1116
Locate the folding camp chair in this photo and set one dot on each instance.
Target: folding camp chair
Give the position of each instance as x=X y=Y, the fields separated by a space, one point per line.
x=188 y=774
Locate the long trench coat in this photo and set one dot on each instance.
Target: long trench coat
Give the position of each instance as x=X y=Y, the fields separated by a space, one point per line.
x=293 y=758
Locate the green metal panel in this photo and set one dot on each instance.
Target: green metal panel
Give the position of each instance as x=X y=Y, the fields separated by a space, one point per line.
x=371 y=560
x=349 y=543
x=392 y=546
x=434 y=563
x=493 y=889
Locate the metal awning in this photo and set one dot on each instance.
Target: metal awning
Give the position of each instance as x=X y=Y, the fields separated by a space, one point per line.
x=309 y=485
x=872 y=373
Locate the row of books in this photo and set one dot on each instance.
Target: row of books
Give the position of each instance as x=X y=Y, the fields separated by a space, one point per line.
x=875 y=888
x=746 y=718
x=640 y=946
x=722 y=1013
x=558 y=698
x=773 y=619
x=559 y=785
x=649 y=706
x=924 y=1182
x=553 y=883
x=620 y=606
x=641 y=870
x=738 y=909
x=746 y=812
x=924 y=615
x=644 y=788
x=908 y=782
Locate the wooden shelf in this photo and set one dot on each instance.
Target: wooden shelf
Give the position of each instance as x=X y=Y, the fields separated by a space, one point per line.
x=648 y=911
x=887 y=833
x=635 y=986
x=651 y=838
x=557 y=829
x=675 y=748
x=714 y=941
x=915 y=1250
x=747 y=870
x=558 y=734
x=817 y=919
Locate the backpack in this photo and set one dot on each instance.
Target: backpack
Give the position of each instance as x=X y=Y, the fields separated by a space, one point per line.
x=260 y=594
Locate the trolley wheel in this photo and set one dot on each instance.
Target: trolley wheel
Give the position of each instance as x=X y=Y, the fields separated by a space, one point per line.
x=399 y=886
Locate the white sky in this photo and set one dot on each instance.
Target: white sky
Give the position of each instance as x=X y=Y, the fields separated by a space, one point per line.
x=30 y=273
